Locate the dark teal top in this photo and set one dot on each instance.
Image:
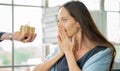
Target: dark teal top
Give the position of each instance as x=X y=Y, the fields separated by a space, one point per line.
x=62 y=63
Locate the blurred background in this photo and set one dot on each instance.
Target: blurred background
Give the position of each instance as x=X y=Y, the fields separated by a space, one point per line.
x=42 y=14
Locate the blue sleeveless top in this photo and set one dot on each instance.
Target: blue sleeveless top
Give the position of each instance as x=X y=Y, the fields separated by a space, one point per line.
x=62 y=63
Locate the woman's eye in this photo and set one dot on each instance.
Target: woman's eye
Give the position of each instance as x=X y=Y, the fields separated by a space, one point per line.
x=64 y=20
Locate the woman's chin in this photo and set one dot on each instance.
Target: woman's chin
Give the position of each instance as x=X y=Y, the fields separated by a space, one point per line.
x=69 y=36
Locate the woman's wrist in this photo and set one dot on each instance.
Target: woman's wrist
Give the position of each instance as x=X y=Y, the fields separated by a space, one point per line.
x=68 y=53
x=61 y=53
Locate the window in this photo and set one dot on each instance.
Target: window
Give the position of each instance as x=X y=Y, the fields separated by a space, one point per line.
x=113 y=20
x=5 y=14
x=92 y=4
x=112 y=7
x=25 y=55
x=30 y=16
x=52 y=3
x=29 y=2
x=113 y=26
x=5 y=25
x=6 y=1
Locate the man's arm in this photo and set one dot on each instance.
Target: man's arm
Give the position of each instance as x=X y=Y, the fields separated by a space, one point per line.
x=5 y=36
x=26 y=37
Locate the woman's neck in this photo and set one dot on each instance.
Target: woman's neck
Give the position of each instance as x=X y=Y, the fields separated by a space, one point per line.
x=82 y=47
x=82 y=43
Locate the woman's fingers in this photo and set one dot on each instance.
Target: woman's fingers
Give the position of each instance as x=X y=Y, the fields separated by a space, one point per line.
x=59 y=39
x=62 y=33
x=60 y=43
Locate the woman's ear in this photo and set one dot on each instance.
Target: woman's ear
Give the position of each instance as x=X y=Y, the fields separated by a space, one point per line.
x=78 y=24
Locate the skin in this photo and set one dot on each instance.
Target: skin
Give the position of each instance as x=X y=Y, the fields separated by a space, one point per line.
x=68 y=28
x=76 y=49
x=26 y=37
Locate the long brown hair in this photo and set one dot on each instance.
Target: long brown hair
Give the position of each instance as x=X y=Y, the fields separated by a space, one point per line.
x=81 y=14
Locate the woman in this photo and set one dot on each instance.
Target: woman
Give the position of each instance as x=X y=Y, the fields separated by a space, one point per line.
x=87 y=50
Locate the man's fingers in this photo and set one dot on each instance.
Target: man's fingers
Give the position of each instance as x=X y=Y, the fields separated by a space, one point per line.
x=34 y=36
x=28 y=38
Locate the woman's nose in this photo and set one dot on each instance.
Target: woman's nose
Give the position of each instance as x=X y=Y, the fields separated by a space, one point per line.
x=59 y=25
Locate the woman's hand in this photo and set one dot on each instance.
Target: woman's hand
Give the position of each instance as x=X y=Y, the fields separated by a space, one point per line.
x=64 y=42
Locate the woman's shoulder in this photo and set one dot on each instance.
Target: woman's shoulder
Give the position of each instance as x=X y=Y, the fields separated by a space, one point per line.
x=90 y=54
x=102 y=59
x=103 y=51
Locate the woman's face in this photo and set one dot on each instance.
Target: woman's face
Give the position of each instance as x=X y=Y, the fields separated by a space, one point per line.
x=67 y=22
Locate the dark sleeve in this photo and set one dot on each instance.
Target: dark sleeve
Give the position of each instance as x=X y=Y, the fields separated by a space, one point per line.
x=1 y=33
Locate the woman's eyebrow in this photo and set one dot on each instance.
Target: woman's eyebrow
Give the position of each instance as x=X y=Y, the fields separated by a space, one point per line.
x=62 y=17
